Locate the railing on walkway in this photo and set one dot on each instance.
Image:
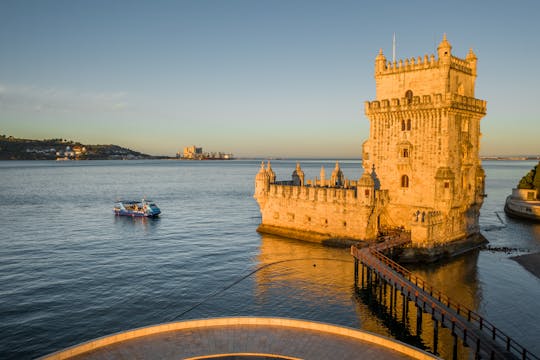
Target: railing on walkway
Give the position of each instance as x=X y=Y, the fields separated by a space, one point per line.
x=466 y=323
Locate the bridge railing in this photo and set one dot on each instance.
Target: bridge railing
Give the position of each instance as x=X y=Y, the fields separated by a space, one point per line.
x=470 y=315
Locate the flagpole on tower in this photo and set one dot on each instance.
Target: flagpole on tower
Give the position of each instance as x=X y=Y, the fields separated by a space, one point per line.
x=394 y=49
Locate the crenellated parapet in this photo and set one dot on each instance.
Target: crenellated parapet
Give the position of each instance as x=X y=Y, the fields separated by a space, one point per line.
x=427 y=102
x=321 y=208
x=424 y=63
x=427 y=62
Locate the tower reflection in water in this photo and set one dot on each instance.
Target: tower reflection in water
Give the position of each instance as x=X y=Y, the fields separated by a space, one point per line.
x=311 y=281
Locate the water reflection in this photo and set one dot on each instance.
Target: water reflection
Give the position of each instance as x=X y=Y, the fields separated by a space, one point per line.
x=323 y=277
x=457 y=278
x=317 y=283
x=130 y=224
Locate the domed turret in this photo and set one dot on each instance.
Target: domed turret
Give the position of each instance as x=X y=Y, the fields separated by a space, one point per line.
x=298 y=176
x=262 y=181
x=472 y=59
x=444 y=50
x=271 y=173
x=380 y=62
x=337 y=176
x=365 y=189
x=366 y=180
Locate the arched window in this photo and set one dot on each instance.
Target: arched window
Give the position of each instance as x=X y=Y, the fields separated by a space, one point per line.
x=405 y=152
x=402 y=125
x=408 y=124
x=408 y=96
x=404 y=181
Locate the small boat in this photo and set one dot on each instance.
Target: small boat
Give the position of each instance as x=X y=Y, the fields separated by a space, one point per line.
x=143 y=208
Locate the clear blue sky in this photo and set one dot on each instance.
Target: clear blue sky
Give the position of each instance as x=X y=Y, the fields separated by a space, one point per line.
x=255 y=78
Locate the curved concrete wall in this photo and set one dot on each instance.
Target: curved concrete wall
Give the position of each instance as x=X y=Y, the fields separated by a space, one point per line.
x=300 y=325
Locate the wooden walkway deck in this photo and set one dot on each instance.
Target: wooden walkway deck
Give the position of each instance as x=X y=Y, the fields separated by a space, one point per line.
x=378 y=272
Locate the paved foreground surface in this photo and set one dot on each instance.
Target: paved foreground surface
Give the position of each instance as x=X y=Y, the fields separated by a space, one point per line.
x=247 y=338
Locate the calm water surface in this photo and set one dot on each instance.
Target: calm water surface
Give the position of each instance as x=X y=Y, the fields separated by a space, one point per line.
x=70 y=271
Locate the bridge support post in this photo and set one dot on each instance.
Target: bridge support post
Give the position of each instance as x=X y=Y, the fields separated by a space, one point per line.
x=404 y=308
x=383 y=293
x=418 y=320
x=395 y=299
x=355 y=274
x=477 y=349
x=454 y=347
x=363 y=266
x=435 y=335
x=368 y=284
x=380 y=283
x=391 y=301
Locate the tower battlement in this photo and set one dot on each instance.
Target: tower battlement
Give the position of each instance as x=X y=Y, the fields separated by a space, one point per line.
x=426 y=76
x=424 y=63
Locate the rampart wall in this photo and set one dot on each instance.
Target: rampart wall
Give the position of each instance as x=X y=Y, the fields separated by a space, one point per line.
x=318 y=212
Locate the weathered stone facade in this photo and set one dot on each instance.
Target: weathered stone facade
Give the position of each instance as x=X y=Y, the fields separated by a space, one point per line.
x=422 y=171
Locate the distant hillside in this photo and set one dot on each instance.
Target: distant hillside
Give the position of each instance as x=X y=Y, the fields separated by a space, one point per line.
x=50 y=149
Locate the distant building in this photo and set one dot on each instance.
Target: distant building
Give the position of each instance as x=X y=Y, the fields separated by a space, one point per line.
x=422 y=171
x=196 y=153
x=192 y=152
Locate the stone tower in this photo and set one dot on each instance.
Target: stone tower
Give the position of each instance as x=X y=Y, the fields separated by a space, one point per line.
x=424 y=145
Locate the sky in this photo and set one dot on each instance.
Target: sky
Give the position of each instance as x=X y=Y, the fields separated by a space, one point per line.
x=256 y=78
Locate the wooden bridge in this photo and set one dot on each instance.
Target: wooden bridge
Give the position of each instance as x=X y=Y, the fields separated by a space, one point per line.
x=379 y=275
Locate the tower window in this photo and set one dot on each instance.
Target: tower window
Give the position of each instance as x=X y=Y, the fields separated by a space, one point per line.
x=405 y=153
x=404 y=181
x=408 y=124
x=409 y=96
x=403 y=125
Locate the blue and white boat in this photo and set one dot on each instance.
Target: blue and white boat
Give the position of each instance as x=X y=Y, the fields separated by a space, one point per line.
x=143 y=208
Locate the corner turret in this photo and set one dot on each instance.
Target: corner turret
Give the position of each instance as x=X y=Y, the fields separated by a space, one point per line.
x=262 y=182
x=298 y=176
x=365 y=189
x=472 y=59
x=444 y=51
x=271 y=173
x=323 y=177
x=337 y=179
x=380 y=62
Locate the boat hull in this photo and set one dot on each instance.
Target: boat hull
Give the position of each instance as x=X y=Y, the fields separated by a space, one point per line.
x=522 y=209
x=135 y=214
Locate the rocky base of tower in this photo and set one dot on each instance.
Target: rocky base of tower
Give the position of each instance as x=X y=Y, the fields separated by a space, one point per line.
x=448 y=250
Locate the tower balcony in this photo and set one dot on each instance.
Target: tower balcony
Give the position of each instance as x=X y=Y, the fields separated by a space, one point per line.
x=427 y=102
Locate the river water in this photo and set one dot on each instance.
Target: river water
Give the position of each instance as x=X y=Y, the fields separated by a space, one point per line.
x=71 y=271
